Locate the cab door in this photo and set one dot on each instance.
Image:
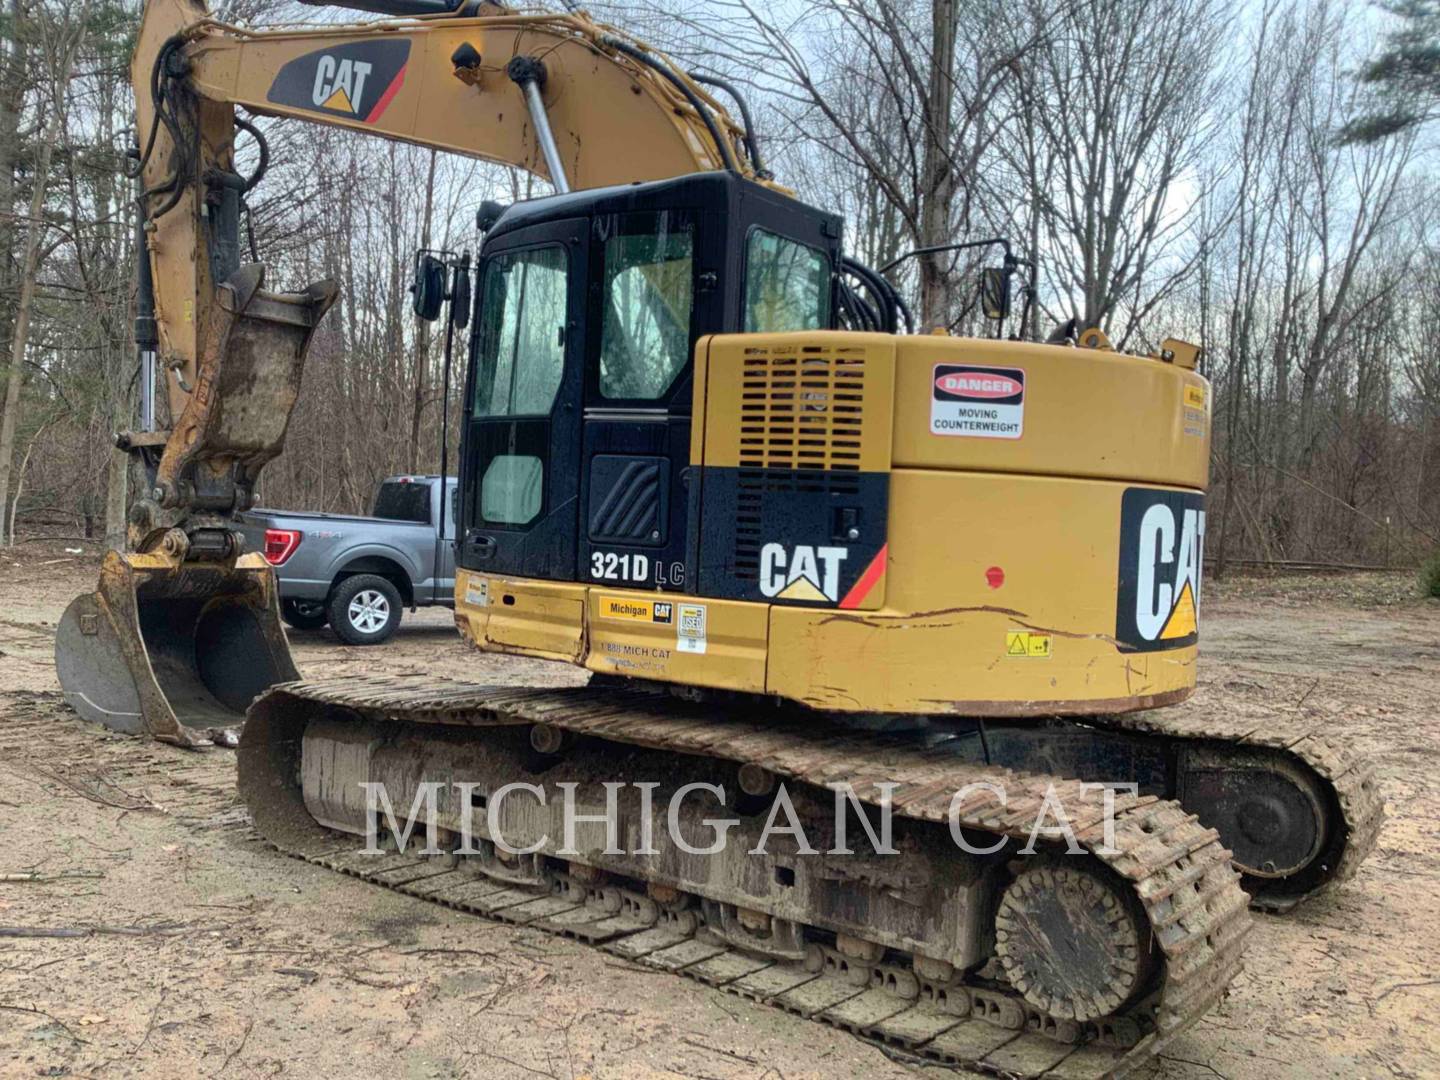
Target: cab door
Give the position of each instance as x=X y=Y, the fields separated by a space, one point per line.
x=656 y=291
x=521 y=453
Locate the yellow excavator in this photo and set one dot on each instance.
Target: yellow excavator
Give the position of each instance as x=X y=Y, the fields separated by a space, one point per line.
x=822 y=570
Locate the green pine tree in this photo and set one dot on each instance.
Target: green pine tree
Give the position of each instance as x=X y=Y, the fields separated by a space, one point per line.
x=1405 y=75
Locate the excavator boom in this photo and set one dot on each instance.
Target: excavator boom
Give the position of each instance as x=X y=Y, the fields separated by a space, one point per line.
x=614 y=112
x=184 y=629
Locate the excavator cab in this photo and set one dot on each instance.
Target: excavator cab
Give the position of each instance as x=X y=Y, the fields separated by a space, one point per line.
x=582 y=381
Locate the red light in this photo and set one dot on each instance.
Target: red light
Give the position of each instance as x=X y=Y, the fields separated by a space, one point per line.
x=280 y=544
x=995 y=577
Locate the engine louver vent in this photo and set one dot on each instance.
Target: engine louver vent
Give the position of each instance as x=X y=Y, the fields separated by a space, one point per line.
x=802 y=409
x=802 y=418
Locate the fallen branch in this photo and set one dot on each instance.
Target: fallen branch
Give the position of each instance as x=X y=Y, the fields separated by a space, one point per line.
x=149 y=1027
x=305 y=975
x=166 y=930
x=41 y=1012
x=141 y=804
x=698 y=1044
x=1406 y=986
x=374 y=984
x=36 y=876
x=450 y=952
x=243 y=1040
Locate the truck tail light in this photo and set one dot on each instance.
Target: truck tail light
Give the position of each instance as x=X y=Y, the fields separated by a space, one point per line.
x=280 y=544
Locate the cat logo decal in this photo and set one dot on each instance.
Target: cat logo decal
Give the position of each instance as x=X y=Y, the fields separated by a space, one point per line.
x=1162 y=548
x=356 y=81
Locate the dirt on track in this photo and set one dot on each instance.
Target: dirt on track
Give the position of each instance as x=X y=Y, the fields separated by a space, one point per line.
x=215 y=956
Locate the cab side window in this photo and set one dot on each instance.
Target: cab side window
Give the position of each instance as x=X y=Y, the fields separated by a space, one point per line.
x=520 y=365
x=649 y=290
x=787 y=285
x=522 y=342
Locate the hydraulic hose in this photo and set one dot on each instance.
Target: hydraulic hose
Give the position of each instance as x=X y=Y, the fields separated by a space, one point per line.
x=751 y=148
x=640 y=56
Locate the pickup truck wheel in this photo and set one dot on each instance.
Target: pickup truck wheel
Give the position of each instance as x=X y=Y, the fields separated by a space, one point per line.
x=364 y=609
x=304 y=614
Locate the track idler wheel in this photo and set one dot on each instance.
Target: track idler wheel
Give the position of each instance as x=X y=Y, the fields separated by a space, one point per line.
x=1269 y=811
x=1072 y=941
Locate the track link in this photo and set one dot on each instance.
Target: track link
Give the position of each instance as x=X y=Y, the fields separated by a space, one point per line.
x=1179 y=873
x=1350 y=776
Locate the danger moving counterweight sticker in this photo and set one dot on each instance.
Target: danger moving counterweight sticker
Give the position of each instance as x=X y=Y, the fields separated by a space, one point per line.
x=978 y=402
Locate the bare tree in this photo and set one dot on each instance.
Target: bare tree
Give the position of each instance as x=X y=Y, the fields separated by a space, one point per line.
x=1115 y=100
x=59 y=41
x=902 y=94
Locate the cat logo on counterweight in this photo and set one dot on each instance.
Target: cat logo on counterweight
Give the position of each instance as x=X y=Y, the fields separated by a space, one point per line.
x=1162 y=548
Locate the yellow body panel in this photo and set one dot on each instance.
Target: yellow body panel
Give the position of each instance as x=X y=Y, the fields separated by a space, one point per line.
x=643 y=635
x=1088 y=412
x=545 y=619
x=949 y=637
x=691 y=640
x=1000 y=587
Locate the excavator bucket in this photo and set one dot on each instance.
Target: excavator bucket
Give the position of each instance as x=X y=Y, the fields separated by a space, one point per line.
x=176 y=650
x=182 y=634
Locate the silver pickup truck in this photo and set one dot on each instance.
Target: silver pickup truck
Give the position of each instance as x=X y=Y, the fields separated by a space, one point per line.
x=356 y=573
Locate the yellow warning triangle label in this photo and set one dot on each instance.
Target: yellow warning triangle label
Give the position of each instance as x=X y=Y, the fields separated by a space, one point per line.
x=1182 y=616
x=339 y=100
x=803 y=589
x=1017 y=644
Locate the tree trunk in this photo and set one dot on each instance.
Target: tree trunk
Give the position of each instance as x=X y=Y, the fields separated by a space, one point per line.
x=12 y=68
x=117 y=489
x=938 y=171
x=30 y=259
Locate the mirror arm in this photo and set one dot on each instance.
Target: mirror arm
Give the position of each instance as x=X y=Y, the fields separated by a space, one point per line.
x=936 y=248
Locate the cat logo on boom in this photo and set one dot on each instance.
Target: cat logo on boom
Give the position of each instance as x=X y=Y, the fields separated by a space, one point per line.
x=801 y=572
x=356 y=81
x=1162 y=548
x=339 y=83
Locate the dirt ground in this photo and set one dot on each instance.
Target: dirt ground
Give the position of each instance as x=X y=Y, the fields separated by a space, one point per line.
x=255 y=965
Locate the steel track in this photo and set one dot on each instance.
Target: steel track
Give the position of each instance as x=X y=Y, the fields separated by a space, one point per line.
x=1350 y=776
x=1179 y=873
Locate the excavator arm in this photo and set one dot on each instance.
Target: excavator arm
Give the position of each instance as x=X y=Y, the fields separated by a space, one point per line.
x=184 y=628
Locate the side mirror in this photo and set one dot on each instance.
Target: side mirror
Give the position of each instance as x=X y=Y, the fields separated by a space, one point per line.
x=995 y=292
x=488 y=214
x=429 y=287
x=460 y=296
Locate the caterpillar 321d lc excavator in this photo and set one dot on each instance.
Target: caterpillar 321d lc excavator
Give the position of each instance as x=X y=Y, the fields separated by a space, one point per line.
x=797 y=548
